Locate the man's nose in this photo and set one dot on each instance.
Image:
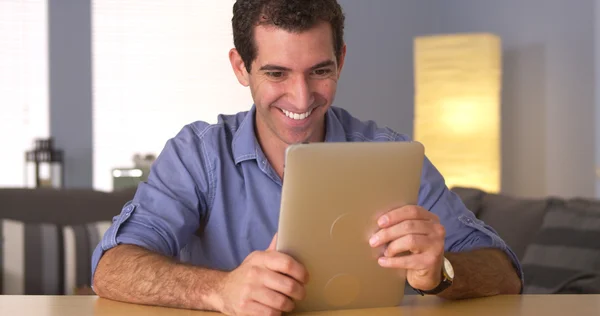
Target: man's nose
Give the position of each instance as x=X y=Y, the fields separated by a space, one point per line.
x=300 y=93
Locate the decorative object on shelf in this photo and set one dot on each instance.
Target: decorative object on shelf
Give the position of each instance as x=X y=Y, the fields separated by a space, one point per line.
x=44 y=167
x=126 y=178
x=457 y=106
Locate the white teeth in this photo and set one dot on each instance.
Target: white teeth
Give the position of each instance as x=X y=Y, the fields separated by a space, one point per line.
x=296 y=116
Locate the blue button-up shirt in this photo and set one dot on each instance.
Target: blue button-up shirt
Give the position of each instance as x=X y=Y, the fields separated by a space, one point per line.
x=212 y=197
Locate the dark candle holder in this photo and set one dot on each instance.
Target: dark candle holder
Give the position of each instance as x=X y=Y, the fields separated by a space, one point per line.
x=44 y=165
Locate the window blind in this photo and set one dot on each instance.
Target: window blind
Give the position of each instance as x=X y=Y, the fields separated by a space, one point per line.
x=157 y=65
x=23 y=84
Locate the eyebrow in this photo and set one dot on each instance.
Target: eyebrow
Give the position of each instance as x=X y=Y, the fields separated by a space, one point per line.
x=323 y=64
x=270 y=67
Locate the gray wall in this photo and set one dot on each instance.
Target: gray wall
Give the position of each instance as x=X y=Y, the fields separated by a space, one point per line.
x=548 y=89
x=377 y=80
x=548 y=101
x=70 y=71
x=597 y=96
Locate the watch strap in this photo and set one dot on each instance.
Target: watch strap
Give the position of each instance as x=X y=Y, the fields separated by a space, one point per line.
x=444 y=284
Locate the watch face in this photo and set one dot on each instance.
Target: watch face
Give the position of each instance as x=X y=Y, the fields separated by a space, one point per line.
x=448 y=268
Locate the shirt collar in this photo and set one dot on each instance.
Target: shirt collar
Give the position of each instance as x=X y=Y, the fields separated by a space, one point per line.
x=245 y=144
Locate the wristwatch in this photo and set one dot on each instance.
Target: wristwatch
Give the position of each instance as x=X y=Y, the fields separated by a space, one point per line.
x=447 y=279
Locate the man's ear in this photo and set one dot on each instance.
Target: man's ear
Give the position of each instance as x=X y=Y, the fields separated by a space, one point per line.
x=239 y=68
x=341 y=61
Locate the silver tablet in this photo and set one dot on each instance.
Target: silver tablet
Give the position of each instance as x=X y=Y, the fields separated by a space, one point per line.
x=332 y=195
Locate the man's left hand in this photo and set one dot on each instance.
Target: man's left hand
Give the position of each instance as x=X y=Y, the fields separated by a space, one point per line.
x=415 y=242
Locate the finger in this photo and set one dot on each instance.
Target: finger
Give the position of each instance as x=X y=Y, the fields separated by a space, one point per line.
x=273 y=299
x=407 y=227
x=421 y=261
x=284 y=285
x=282 y=263
x=407 y=212
x=273 y=245
x=412 y=244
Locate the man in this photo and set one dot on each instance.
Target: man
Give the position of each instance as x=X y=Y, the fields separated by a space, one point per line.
x=200 y=233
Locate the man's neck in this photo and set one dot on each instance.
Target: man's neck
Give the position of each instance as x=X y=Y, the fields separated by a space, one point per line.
x=274 y=150
x=273 y=147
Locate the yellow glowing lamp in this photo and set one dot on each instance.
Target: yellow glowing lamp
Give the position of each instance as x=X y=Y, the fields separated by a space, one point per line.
x=457 y=107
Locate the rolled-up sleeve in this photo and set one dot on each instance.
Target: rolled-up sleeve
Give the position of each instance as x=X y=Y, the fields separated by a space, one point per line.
x=168 y=208
x=464 y=231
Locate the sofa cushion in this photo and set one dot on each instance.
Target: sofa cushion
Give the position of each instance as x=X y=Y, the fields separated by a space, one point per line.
x=516 y=220
x=46 y=259
x=565 y=255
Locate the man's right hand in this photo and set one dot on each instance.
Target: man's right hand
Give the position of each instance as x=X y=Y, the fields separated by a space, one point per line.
x=266 y=283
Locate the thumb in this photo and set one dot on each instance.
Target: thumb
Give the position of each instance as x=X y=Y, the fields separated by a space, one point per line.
x=273 y=244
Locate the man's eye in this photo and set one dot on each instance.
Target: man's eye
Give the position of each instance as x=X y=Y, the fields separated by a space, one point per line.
x=274 y=74
x=322 y=72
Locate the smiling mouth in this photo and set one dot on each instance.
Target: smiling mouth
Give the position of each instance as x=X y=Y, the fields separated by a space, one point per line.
x=296 y=116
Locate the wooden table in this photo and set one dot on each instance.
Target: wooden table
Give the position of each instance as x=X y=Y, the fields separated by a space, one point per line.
x=546 y=305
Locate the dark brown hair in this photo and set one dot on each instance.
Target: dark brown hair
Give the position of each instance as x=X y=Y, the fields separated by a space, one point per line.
x=290 y=15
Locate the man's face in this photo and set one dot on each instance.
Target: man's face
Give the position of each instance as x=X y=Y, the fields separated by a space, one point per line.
x=293 y=81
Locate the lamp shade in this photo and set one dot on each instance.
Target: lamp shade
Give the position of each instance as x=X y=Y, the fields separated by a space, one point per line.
x=457 y=107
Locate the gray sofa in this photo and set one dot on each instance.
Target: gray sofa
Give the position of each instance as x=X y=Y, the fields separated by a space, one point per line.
x=556 y=240
x=53 y=234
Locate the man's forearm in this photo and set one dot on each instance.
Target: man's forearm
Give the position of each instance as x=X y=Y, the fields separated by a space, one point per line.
x=133 y=274
x=483 y=272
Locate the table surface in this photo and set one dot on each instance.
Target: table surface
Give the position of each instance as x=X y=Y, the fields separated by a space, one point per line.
x=412 y=305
